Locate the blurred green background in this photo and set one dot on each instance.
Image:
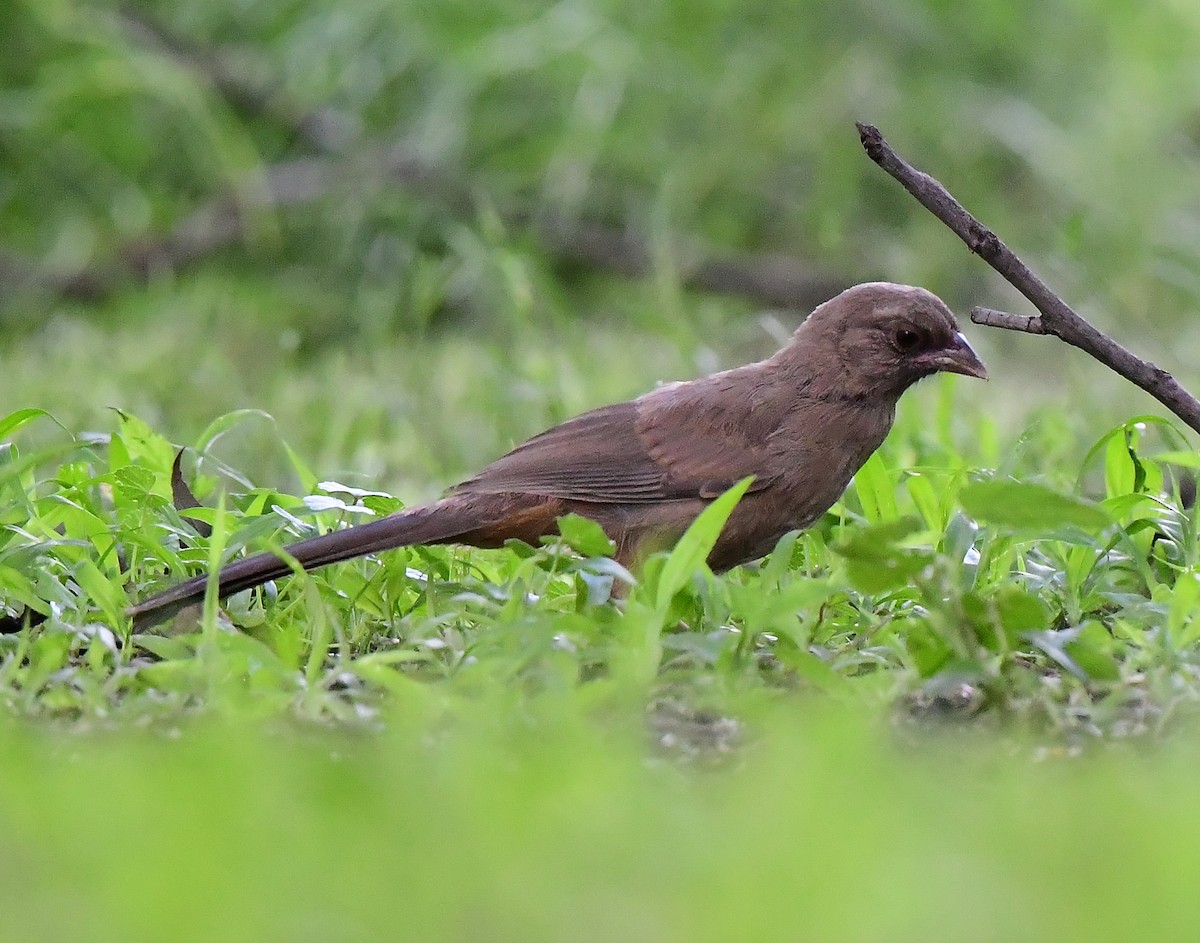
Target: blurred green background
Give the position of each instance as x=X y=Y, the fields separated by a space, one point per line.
x=572 y=836
x=400 y=227
x=412 y=233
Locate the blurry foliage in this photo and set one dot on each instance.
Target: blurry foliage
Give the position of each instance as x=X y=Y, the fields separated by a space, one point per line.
x=734 y=125
x=947 y=591
x=400 y=334
x=731 y=128
x=1018 y=556
x=514 y=825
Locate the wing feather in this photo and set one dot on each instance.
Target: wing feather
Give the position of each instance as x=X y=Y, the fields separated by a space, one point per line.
x=680 y=442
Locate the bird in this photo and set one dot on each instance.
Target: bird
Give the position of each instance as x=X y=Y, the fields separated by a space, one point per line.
x=799 y=424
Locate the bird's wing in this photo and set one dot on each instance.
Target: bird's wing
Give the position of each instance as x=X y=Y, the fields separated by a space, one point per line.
x=658 y=448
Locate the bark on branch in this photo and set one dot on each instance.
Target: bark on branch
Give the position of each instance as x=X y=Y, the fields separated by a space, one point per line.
x=1057 y=317
x=1025 y=323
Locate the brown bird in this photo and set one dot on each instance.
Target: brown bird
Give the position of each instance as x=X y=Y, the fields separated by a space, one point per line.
x=801 y=423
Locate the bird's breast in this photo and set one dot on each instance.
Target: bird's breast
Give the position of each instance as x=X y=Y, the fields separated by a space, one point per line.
x=820 y=451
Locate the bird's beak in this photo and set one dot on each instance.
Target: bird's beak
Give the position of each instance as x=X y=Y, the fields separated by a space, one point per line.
x=957 y=357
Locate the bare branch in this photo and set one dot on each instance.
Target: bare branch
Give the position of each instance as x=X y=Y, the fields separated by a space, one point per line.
x=990 y=317
x=1057 y=318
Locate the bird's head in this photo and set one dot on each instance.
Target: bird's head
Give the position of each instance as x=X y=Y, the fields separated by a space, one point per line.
x=878 y=339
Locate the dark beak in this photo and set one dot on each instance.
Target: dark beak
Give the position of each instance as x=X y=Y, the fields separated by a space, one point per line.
x=956 y=357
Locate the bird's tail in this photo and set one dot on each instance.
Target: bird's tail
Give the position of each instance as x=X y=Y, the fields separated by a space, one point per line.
x=440 y=522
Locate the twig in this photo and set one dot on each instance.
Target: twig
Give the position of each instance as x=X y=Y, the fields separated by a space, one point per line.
x=990 y=317
x=1057 y=316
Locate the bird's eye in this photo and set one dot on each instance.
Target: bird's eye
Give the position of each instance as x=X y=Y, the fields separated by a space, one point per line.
x=905 y=339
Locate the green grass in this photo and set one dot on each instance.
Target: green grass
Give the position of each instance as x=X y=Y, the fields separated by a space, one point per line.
x=515 y=824
x=933 y=584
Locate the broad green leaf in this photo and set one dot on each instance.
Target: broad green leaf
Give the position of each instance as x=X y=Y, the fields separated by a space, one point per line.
x=876 y=492
x=165 y=647
x=886 y=574
x=216 y=548
x=1020 y=611
x=1181 y=458
x=48 y=655
x=1092 y=651
x=140 y=441
x=696 y=543
x=1120 y=469
x=100 y=590
x=118 y=453
x=928 y=650
x=780 y=558
x=922 y=492
x=16 y=586
x=1030 y=508
x=1123 y=506
x=22 y=417
x=585 y=536
x=877 y=560
x=379 y=668
x=814 y=670
x=1128 y=435
x=222 y=424
x=308 y=479
x=877 y=542
x=1183 y=610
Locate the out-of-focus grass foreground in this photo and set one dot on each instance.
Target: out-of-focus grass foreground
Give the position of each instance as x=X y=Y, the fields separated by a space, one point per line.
x=348 y=253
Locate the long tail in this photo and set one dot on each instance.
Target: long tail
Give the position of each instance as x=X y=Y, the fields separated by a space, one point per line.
x=441 y=522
